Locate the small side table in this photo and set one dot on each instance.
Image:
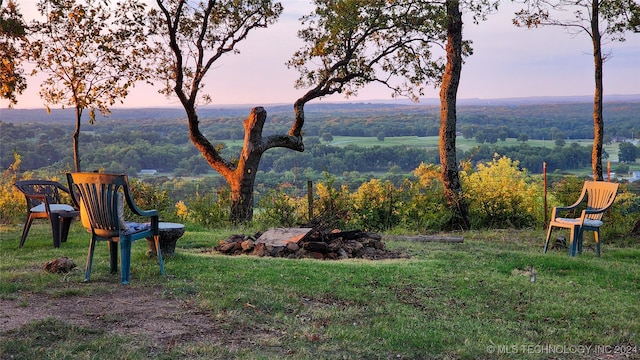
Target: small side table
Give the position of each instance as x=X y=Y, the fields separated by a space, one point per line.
x=61 y=221
x=169 y=235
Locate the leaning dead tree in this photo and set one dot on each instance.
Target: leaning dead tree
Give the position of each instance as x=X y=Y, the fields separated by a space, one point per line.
x=362 y=41
x=192 y=37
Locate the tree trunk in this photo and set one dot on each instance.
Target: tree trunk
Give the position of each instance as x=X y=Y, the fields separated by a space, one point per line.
x=76 y=140
x=598 y=121
x=243 y=178
x=448 y=97
x=241 y=175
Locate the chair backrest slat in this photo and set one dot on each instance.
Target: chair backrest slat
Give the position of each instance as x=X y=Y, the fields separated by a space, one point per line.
x=47 y=188
x=600 y=195
x=99 y=194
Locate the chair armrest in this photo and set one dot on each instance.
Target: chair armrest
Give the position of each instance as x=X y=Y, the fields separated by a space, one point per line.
x=153 y=214
x=134 y=208
x=564 y=208
x=558 y=209
x=38 y=197
x=155 y=223
x=575 y=204
x=42 y=198
x=145 y=213
x=595 y=211
x=586 y=212
x=570 y=207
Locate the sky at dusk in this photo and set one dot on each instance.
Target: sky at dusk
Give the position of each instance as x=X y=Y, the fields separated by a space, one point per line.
x=507 y=62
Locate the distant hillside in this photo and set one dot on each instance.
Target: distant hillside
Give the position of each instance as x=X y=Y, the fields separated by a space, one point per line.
x=157 y=138
x=480 y=106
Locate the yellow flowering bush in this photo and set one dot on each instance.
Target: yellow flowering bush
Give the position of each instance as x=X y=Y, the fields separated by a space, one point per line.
x=182 y=211
x=425 y=207
x=12 y=202
x=500 y=195
x=375 y=205
x=332 y=204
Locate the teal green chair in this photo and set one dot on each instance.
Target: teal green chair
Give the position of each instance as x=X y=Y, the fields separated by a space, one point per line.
x=99 y=197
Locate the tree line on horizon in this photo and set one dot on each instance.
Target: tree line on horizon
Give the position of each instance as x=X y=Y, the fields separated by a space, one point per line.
x=128 y=147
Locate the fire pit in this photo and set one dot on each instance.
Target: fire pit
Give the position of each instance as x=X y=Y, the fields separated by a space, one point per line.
x=309 y=243
x=169 y=235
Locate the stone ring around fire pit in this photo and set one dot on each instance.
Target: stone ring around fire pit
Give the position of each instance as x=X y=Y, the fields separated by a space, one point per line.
x=169 y=235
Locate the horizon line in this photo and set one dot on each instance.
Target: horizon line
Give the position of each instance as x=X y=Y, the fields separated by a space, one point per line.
x=405 y=101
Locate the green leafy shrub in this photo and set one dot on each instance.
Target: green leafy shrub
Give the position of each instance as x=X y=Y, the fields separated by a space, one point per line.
x=425 y=207
x=376 y=205
x=148 y=196
x=211 y=210
x=332 y=205
x=622 y=215
x=276 y=208
x=501 y=195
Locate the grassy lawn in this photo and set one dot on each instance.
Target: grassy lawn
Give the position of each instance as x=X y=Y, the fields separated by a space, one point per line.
x=474 y=300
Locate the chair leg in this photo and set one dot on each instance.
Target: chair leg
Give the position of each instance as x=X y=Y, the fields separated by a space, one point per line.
x=156 y=239
x=92 y=246
x=546 y=243
x=64 y=229
x=54 y=218
x=573 y=240
x=125 y=249
x=113 y=256
x=596 y=238
x=580 y=240
x=25 y=230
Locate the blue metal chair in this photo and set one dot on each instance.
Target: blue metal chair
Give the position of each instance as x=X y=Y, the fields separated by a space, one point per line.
x=599 y=197
x=99 y=196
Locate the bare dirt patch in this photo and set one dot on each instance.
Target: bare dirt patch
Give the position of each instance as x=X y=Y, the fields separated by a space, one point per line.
x=142 y=312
